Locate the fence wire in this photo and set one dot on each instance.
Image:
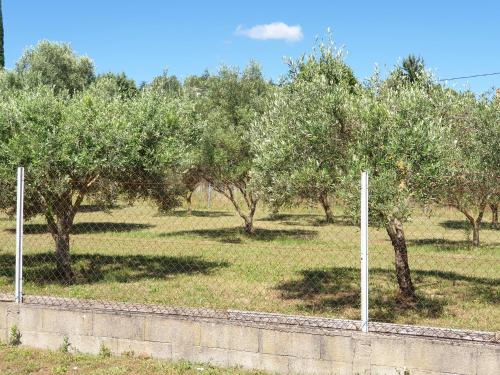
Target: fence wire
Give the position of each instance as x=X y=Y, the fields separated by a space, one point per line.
x=296 y=268
x=456 y=284
x=7 y=256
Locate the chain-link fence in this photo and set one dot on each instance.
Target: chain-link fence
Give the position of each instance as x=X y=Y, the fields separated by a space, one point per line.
x=197 y=259
x=7 y=256
x=456 y=284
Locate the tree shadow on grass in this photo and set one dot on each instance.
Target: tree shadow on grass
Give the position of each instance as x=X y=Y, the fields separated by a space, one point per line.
x=314 y=220
x=443 y=244
x=93 y=268
x=291 y=217
x=87 y=227
x=90 y=208
x=198 y=213
x=236 y=235
x=335 y=290
x=465 y=225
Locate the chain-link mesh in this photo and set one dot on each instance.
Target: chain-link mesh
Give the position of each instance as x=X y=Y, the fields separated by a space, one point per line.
x=296 y=268
x=457 y=284
x=7 y=256
x=197 y=257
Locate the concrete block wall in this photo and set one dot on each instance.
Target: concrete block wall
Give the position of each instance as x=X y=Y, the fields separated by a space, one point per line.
x=276 y=349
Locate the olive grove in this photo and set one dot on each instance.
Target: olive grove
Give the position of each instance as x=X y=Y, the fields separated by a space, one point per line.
x=88 y=137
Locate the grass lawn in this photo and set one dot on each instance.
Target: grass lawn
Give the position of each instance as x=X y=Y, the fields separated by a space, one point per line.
x=295 y=263
x=21 y=360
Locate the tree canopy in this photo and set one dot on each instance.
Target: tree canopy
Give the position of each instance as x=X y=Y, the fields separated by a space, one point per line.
x=85 y=145
x=472 y=177
x=223 y=109
x=303 y=139
x=55 y=65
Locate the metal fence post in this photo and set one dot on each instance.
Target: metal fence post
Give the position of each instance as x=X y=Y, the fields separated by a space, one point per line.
x=364 y=251
x=19 y=234
x=209 y=196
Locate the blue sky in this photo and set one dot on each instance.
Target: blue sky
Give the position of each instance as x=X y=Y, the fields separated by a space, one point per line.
x=141 y=38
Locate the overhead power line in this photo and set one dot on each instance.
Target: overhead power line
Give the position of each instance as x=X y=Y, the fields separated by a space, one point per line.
x=473 y=76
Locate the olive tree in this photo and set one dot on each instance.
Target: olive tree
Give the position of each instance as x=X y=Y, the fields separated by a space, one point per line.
x=118 y=85
x=55 y=65
x=473 y=170
x=494 y=212
x=191 y=179
x=168 y=84
x=156 y=161
x=303 y=140
x=494 y=202
x=169 y=87
x=218 y=118
x=400 y=143
x=89 y=145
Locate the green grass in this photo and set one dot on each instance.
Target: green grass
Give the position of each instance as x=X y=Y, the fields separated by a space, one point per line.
x=21 y=360
x=295 y=263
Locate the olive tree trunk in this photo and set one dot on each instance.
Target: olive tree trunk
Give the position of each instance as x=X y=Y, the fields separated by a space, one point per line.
x=395 y=231
x=63 y=257
x=189 y=195
x=494 y=215
x=251 y=204
x=60 y=228
x=475 y=223
x=60 y=216
x=325 y=203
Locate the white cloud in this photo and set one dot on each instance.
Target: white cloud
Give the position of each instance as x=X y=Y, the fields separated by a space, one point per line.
x=275 y=30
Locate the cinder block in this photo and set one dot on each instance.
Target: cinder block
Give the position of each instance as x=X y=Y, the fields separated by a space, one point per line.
x=433 y=355
x=246 y=360
x=12 y=317
x=362 y=356
x=159 y=350
x=110 y=343
x=341 y=368
x=3 y=315
x=274 y=363
x=337 y=348
x=228 y=336
x=85 y=344
x=30 y=319
x=3 y=335
x=310 y=366
x=67 y=322
x=284 y=364
x=386 y=370
x=42 y=340
x=119 y=326
x=488 y=361
x=214 y=356
x=388 y=352
x=177 y=332
x=291 y=343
